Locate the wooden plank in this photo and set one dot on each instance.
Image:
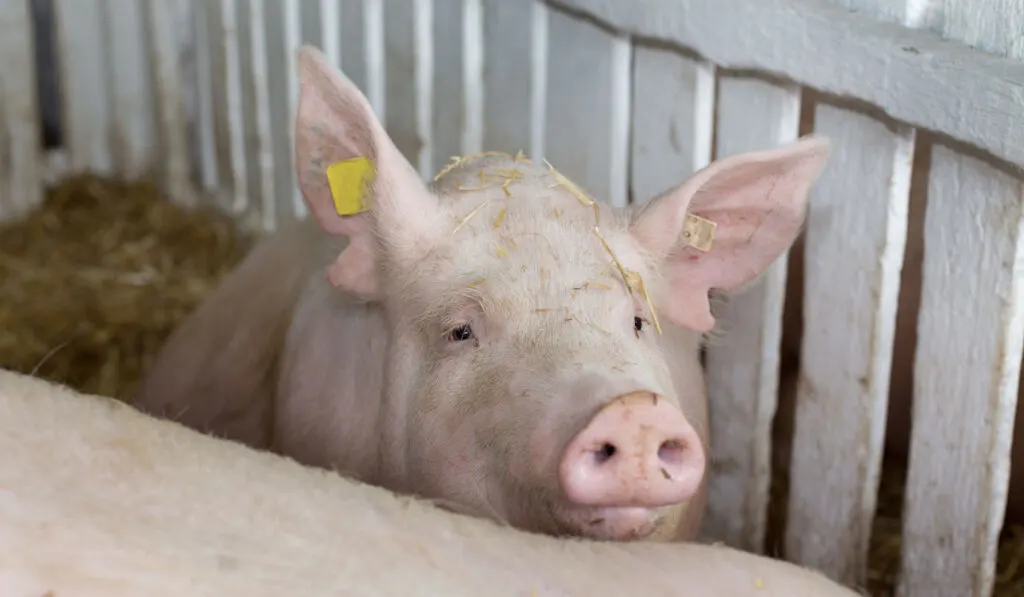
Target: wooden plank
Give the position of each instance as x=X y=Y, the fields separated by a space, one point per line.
x=169 y=91
x=448 y=85
x=255 y=86
x=473 y=76
x=515 y=76
x=282 y=26
x=673 y=116
x=375 y=79
x=229 y=125
x=132 y=133
x=969 y=330
x=85 y=99
x=995 y=26
x=330 y=30
x=587 y=119
x=897 y=11
x=21 y=154
x=407 y=59
x=204 y=138
x=905 y=72
x=855 y=239
x=743 y=363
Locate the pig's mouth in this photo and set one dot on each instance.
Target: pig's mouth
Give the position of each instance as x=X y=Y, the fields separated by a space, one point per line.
x=612 y=523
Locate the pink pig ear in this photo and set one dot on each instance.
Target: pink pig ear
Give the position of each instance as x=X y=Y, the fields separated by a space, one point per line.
x=334 y=123
x=758 y=201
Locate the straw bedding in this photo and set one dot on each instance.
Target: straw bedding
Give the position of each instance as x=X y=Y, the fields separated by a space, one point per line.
x=98 y=276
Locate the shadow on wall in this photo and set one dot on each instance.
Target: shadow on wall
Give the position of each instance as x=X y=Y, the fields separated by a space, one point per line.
x=47 y=69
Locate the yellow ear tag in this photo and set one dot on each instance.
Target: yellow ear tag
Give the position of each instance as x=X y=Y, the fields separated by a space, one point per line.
x=348 y=181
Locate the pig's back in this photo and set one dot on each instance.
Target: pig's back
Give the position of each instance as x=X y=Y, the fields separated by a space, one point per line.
x=326 y=412
x=217 y=371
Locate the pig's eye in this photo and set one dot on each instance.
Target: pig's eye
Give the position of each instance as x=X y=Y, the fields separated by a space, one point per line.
x=460 y=333
x=638 y=324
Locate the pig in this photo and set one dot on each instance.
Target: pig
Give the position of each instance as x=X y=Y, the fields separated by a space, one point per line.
x=100 y=500
x=495 y=339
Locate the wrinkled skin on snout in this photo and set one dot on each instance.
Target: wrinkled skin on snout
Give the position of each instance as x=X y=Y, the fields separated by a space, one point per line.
x=495 y=340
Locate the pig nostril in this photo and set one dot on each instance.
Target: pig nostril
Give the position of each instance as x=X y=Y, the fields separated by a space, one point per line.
x=605 y=453
x=671 y=451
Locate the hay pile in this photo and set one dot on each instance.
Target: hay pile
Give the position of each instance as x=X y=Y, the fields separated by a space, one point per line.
x=93 y=281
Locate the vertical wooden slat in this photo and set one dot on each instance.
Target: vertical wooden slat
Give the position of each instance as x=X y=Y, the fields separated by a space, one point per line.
x=330 y=29
x=84 y=83
x=374 y=47
x=473 y=76
x=856 y=233
x=132 y=132
x=995 y=26
x=282 y=26
x=204 y=138
x=169 y=88
x=407 y=87
x=511 y=55
x=969 y=347
x=448 y=86
x=20 y=149
x=742 y=365
x=588 y=93
x=227 y=108
x=673 y=115
x=969 y=332
x=255 y=83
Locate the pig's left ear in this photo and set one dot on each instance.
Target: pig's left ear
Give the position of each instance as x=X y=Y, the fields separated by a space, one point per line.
x=758 y=201
x=354 y=180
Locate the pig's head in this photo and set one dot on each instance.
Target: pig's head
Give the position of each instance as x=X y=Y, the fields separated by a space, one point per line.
x=536 y=339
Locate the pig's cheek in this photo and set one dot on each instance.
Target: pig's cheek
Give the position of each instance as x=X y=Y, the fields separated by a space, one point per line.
x=458 y=472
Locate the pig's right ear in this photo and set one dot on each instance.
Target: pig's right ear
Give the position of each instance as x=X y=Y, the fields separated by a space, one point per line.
x=757 y=202
x=398 y=214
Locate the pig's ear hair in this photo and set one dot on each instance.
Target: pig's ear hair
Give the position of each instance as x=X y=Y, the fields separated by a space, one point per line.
x=334 y=122
x=758 y=201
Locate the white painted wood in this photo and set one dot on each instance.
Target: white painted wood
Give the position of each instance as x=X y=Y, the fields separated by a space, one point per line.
x=992 y=25
x=352 y=42
x=897 y=11
x=330 y=29
x=20 y=147
x=970 y=329
x=284 y=37
x=84 y=83
x=205 y=136
x=132 y=134
x=905 y=72
x=743 y=364
x=673 y=115
x=473 y=76
x=448 y=86
x=854 y=247
x=228 y=111
x=255 y=81
x=516 y=74
x=169 y=90
x=407 y=58
x=588 y=92
x=373 y=46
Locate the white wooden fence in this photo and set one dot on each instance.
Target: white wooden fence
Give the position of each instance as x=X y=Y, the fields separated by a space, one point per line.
x=628 y=97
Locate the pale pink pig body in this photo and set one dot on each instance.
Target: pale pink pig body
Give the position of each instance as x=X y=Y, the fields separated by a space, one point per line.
x=98 y=500
x=495 y=341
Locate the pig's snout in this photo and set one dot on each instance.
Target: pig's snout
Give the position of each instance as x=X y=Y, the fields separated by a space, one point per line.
x=637 y=451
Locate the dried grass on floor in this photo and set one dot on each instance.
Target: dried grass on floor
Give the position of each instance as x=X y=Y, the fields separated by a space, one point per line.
x=93 y=281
